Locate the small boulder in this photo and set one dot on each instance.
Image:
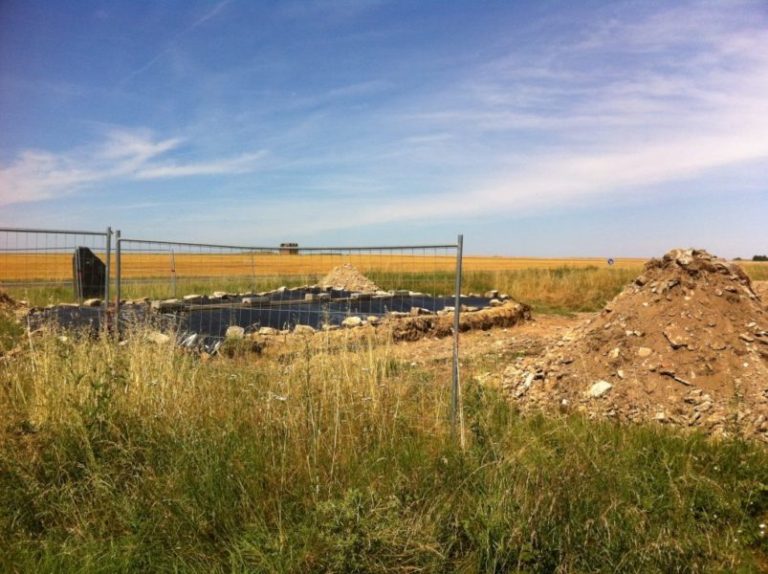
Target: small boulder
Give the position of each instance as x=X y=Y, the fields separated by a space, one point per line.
x=352 y=322
x=599 y=389
x=235 y=332
x=194 y=299
x=168 y=305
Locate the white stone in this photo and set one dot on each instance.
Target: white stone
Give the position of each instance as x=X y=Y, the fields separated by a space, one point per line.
x=303 y=330
x=352 y=322
x=235 y=332
x=92 y=303
x=168 y=305
x=599 y=389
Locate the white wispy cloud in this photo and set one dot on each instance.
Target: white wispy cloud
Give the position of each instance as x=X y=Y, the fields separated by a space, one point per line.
x=241 y=164
x=38 y=175
x=676 y=96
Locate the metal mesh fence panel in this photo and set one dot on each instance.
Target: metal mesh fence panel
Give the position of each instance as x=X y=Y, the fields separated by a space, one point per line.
x=212 y=289
x=44 y=266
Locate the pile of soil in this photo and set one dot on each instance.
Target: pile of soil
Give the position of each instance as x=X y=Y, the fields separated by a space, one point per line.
x=761 y=288
x=348 y=278
x=686 y=343
x=414 y=328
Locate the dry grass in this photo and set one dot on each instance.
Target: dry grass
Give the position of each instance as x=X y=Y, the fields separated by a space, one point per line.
x=338 y=459
x=58 y=266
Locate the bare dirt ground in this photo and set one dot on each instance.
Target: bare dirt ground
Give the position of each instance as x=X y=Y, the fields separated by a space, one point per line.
x=528 y=338
x=761 y=288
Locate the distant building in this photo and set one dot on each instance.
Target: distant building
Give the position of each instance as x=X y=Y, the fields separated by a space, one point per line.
x=289 y=249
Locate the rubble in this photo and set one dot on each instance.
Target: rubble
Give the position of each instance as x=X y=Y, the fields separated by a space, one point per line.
x=347 y=278
x=686 y=344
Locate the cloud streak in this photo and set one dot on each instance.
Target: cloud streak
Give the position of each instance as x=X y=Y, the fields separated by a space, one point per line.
x=123 y=156
x=662 y=106
x=171 y=44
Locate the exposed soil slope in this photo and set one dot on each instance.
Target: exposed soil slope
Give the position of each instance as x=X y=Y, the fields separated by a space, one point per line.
x=686 y=343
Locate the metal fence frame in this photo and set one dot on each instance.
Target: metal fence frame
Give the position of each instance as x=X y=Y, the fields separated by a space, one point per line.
x=74 y=234
x=456 y=415
x=455 y=405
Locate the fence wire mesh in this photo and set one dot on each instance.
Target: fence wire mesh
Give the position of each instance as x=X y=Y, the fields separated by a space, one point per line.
x=202 y=294
x=38 y=265
x=280 y=289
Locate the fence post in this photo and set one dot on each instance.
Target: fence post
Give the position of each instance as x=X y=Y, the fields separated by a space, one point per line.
x=118 y=281
x=107 y=269
x=457 y=414
x=173 y=272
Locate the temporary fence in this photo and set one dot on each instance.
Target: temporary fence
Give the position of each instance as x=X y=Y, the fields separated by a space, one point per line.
x=216 y=288
x=282 y=288
x=203 y=291
x=48 y=266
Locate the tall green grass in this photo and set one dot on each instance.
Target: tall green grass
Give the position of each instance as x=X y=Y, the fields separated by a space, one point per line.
x=145 y=458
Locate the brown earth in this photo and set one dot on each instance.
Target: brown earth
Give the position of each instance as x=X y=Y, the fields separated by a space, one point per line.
x=420 y=336
x=761 y=288
x=348 y=278
x=415 y=328
x=686 y=343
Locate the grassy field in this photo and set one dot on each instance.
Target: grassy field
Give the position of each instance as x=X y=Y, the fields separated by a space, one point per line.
x=145 y=458
x=338 y=458
x=58 y=266
x=548 y=285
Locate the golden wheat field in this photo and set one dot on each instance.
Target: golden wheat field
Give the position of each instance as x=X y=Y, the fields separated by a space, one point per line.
x=58 y=266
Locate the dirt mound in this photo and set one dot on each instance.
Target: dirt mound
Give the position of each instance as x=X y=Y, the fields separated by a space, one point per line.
x=348 y=278
x=761 y=288
x=686 y=343
x=415 y=328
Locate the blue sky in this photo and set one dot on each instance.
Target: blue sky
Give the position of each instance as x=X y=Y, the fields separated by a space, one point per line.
x=535 y=128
